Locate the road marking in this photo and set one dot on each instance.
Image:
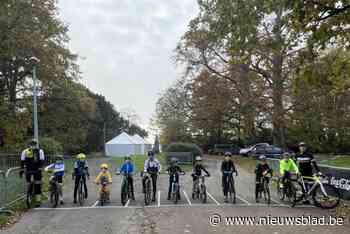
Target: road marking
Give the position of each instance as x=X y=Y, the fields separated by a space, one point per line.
x=276 y=201
x=95 y=204
x=188 y=200
x=212 y=198
x=172 y=205
x=242 y=199
x=159 y=198
x=127 y=203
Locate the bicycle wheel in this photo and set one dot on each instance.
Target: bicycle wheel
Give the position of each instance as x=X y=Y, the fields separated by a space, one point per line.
x=279 y=189
x=203 y=193
x=148 y=192
x=81 y=193
x=55 y=199
x=266 y=190
x=124 y=192
x=329 y=201
x=30 y=195
x=233 y=191
x=176 y=193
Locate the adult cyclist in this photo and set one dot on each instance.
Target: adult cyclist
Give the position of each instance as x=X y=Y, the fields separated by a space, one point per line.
x=307 y=163
x=152 y=167
x=227 y=169
x=32 y=161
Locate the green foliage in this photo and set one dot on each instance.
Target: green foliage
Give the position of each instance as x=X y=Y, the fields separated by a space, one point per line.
x=183 y=147
x=51 y=146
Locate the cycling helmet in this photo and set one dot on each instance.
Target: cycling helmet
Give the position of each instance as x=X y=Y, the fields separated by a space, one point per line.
x=198 y=158
x=104 y=166
x=81 y=156
x=150 y=153
x=228 y=154
x=262 y=157
x=302 y=144
x=286 y=155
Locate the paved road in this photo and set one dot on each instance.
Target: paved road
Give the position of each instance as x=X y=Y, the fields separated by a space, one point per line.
x=163 y=216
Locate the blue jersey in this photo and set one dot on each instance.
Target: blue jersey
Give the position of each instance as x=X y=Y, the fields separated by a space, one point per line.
x=58 y=168
x=127 y=168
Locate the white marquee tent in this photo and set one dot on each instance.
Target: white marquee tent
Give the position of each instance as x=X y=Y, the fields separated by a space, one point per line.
x=144 y=145
x=122 y=145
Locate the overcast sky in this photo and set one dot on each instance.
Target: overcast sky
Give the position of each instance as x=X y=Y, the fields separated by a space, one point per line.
x=126 y=47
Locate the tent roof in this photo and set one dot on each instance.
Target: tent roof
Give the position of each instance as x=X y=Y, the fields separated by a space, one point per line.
x=122 y=139
x=140 y=139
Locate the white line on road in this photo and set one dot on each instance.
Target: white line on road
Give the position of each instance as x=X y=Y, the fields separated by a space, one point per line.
x=212 y=198
x=95 y=204
x=159 y=198
x=127 y=203
x=276 y=201
x=188 y=200
x=172 y=205
x=242 y=199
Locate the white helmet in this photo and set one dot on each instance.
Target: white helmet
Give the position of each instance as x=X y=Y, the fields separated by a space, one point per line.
x=198 y=158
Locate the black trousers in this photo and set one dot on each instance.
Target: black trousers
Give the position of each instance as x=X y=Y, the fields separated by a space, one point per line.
x=37 y=177
x=76 y=185
x=225 y=178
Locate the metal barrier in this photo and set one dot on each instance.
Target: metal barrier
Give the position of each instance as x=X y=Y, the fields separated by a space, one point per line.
x=8 y=161
x=13 y=188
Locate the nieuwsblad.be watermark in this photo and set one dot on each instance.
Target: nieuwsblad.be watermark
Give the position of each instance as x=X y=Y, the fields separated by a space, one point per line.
x=304 y=220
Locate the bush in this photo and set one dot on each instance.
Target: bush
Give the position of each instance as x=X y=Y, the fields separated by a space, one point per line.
x=184 y=147
x=51 y=146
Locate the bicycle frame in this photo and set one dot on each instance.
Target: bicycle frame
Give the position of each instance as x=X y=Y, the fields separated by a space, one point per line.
x=316 y=181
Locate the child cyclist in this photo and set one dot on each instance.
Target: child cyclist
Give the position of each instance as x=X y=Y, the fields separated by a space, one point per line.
x=58 y=172
x=227 y=170
x=81 y=171
x=262 y=171
x=127 y=169
x=104 y=178
x=173 y=171
x=198 y=168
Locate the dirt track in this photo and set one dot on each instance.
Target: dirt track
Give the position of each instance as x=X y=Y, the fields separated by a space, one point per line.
x=163 y=216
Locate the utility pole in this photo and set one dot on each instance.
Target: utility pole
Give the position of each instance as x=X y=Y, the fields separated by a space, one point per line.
x=35 y=102
x=104 y=138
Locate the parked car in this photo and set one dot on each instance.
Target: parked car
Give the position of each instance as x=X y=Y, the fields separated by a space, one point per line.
x=220 y=149
x=246 y=151
x=269 y=151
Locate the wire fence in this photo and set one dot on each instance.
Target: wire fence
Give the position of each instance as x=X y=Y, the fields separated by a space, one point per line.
x=12 y=187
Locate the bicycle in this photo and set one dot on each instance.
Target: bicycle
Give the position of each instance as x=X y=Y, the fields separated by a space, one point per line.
x=175 y=188
x=199 y=189
x=231 y=191
x=264 y=188
x=147 y=188
x=104 y=197
x=30 y=192
x=323 y=194
x=287 y=189
x=54 y=191
x=81 y=191
x=125 y=189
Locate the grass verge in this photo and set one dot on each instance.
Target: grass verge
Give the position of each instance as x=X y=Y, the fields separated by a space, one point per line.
x=339 y=161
